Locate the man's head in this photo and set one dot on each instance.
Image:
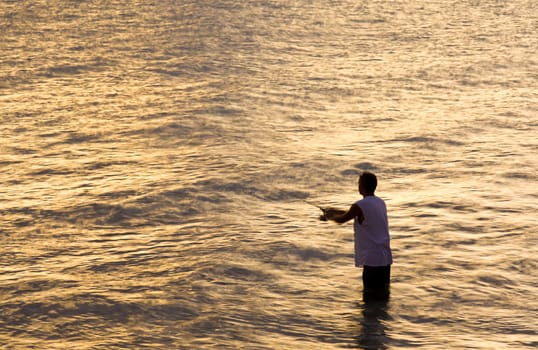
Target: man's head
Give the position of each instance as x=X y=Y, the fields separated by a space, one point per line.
x=367 y=183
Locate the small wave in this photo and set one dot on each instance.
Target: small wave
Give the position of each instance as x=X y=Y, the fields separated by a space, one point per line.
x=66 y=69
x=75 y=138
x=243 y=273
x=429 y=140
x=289 y=254
x=82 y=305
x=350 y=172
x=369 y=20
x=366 y=166
x=520 y=175
x=408 y=171
x=110 y=266
x=494 y=280
x=99 y=165
x=22 y=150
x=49 y=171
x=248 y=189
x=169 y=72
x=102 y=214
x=225 y=111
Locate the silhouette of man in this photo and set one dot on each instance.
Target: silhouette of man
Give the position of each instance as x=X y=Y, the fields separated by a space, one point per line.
x=372 y=238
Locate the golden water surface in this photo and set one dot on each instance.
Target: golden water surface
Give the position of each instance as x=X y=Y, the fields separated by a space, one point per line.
x=156 y=158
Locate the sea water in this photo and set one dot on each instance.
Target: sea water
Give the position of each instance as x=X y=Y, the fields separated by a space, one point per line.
x=157 y=157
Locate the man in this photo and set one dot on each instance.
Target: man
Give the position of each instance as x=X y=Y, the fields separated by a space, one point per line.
x=372 y=239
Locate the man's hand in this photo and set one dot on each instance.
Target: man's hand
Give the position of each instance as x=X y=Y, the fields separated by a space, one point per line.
x=331 y=213
x=341 y=216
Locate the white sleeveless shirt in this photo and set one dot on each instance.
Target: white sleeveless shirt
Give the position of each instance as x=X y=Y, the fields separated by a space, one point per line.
x=372 y=240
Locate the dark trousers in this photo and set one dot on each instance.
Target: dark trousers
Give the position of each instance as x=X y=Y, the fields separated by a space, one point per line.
x=376 y=282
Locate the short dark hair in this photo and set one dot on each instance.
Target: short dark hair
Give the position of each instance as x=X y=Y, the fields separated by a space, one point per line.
x=368 y=181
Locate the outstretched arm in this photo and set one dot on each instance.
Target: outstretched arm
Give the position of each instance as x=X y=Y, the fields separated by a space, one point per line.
x=341 y=216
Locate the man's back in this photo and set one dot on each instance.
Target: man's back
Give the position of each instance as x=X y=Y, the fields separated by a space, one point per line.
x=372 y=240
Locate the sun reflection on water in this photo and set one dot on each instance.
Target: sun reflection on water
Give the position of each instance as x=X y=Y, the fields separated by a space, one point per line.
x=157 y=157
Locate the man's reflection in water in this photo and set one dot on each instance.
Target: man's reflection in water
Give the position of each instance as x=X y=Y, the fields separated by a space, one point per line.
x=374 y=311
